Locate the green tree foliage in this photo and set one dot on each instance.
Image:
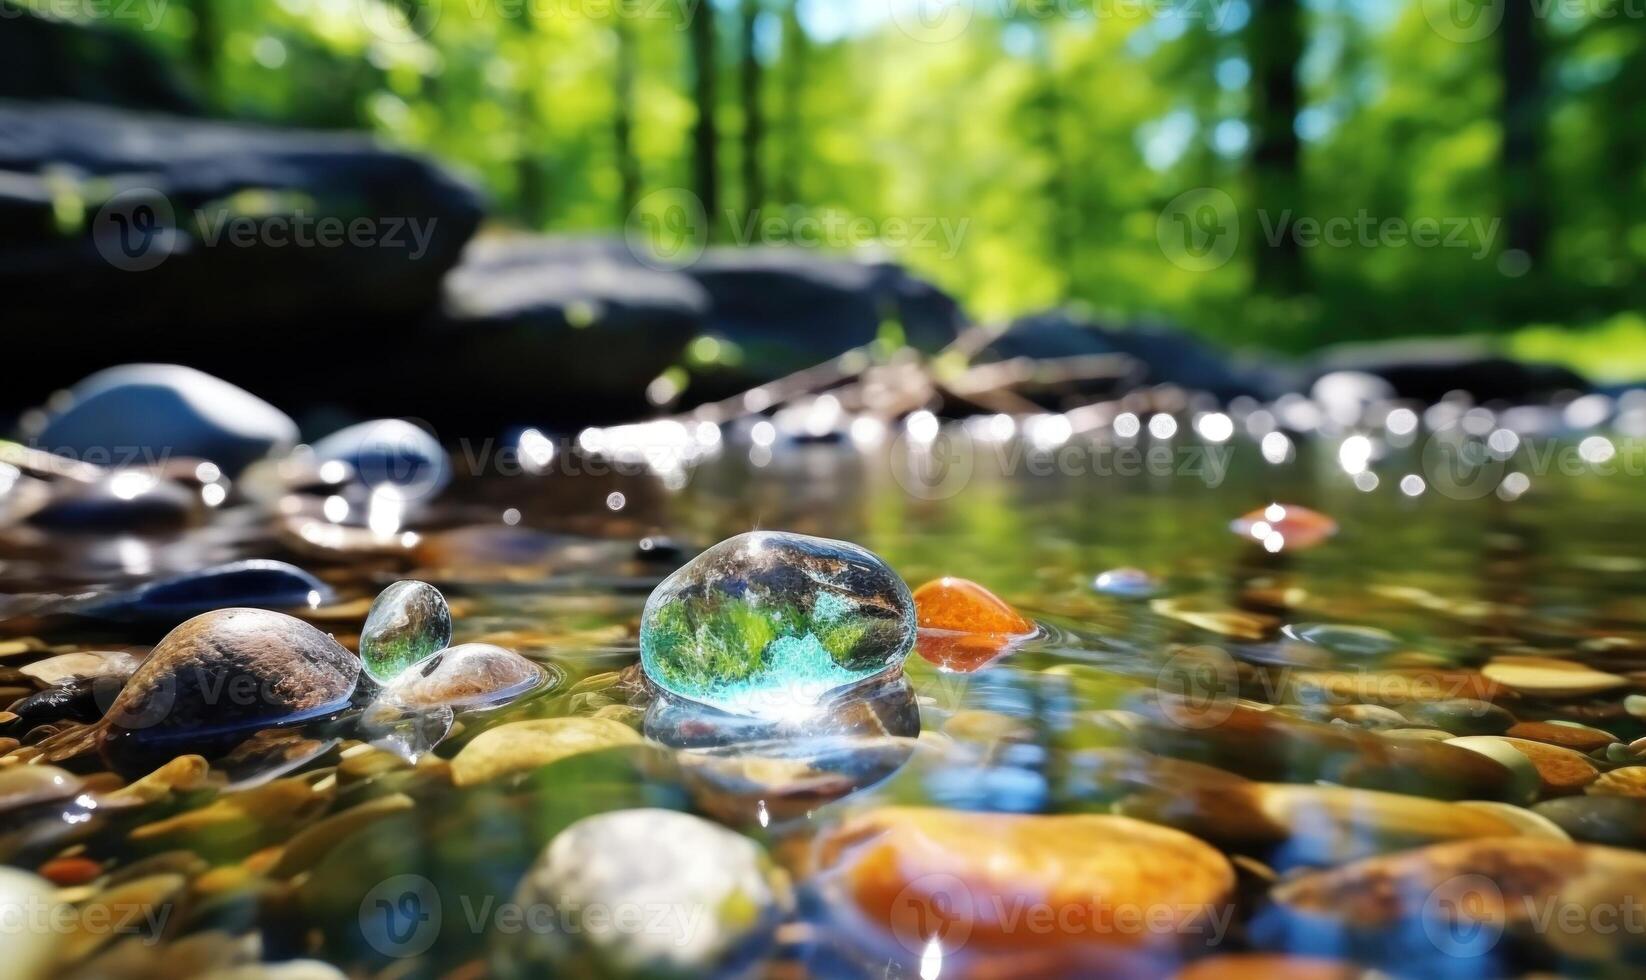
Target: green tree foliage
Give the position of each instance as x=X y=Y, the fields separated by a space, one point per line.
x=1049 y=137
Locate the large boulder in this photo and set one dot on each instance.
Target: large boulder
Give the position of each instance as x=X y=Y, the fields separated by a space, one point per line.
x=131 y=237
x=1157 y=354
x=788 y=308
x=569 y=328
x=45 y=58
x=1426 y=370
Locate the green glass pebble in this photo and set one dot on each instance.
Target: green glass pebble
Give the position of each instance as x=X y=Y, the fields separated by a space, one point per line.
x=408 y=621
x=766 y=623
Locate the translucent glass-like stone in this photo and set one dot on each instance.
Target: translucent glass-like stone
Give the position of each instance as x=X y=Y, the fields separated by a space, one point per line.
x=767 y=622
x=408 y=622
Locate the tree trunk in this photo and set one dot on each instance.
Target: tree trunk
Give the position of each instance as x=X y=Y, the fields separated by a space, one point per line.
x=1274 y=45
x=628 y=165
x=203 y=46
x=706 y=132
x=754 y=119
x=796 y=53
x=1521 y=116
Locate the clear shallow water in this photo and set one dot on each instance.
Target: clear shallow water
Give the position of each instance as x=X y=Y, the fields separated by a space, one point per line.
x=1071 y=722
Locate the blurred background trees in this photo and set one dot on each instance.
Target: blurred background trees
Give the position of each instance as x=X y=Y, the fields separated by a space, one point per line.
x=1056 y=131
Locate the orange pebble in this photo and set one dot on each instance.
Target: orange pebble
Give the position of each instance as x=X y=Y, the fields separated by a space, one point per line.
x=69 y=871
x=1285 y=526
x=966 y=607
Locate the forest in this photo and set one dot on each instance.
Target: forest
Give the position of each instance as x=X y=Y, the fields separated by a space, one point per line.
x=1274 y=173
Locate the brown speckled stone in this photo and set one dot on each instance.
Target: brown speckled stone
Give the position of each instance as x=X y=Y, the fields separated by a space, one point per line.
x=218 y=677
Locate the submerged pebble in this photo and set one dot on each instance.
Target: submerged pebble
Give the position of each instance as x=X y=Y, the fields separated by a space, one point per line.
x=257 y=582
x=768 y=622
x=408 y=623
x=28 y=898
x=1550 y=678
x=390 y=452
x=922 y=875
x=963 y=625
x=219 y=676
x=519 y=746
x=126 y=500
x=1285 y=526
x=1127 y=583
x=710 y=900
x=1349 y=641
x=1460 y=716
x=466 y=675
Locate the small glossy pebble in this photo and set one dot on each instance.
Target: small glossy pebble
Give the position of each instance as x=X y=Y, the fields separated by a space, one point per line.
x=1127 y=583
x=1351 y=641
x=964 y=606
x=964 y=626
x=1281 y=526
x=768 y=622
x=407 y=623
x=465 y=675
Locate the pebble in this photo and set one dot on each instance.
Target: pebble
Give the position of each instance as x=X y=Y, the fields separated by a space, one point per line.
x=928 y=875
x=1127 y=583
x=1368 y=716
x=28 y=952
x=964 y=626
x=715 y=900
x=115 y=664
x=1559 y=771
x=1279 y=526
x=22 y=786
x=70 y=872
x=767 y=622
x=1627 y=781
x=1578 y=738
x=258 y=583
x=963 y=606
x=519 y=746
x=1616 y=820
x=1268 y=966
x=1211 y=615
x=1268 y=746
x=167 y=410
x=1312 y=825
x=466 y=675
x=1460 y=716
x=126 y=500
x=407 y=623
x=219 y=676
x=390 y=452
x=1461 y=897
x=1550 y=678
x=1360 y=642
